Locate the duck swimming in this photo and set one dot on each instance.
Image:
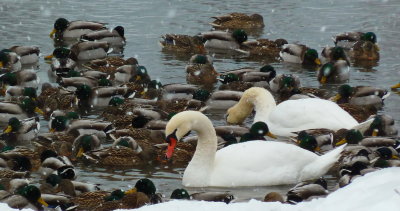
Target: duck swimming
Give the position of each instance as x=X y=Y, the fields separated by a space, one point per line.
x=291 y=115
x=263 y=164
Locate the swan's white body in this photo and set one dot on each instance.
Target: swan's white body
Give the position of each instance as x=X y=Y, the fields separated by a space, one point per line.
x=253 y=163
x=291 y=115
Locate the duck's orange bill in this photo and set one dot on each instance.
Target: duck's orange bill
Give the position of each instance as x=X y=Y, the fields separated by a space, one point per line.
x=171 y=146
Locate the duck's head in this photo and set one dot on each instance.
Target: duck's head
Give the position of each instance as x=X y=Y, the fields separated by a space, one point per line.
x=141 y=73
x=123 y=142
x=180 y=193
x=199 y=59
x=254 y=96
x=345 y=91
x=83 y=92
x=47 y=154
x=268 y=69
x=257 y=17
x=21 y=163
x=59 y=53
x=201 y=94
x=3 y=59
x=116 y=101
x=59 y=26
x=311 y=57
x=30 y=92
x=120 y=30
x=155 y=84
x=140 y=121
x=307 y=141
x=338 y=53
x=145 y=186
x=369 y=36
x=66 y=172
x=228 y=78
x=59 y=123
x=104 y=82
x=261 y=129
x=30 y=106
x=352 y=137
x=53 y=180
x=239 y=35
x=386 y=153
x=13 y=125
x=32 y=194
x=288 y=82
x=9 y=78
x=326 y=71
x=376 y=127
x=86 y=144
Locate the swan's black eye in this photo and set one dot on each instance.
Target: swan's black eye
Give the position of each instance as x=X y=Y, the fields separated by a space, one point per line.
x=170 y=137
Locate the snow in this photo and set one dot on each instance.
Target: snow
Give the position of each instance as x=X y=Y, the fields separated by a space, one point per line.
x=378 y=190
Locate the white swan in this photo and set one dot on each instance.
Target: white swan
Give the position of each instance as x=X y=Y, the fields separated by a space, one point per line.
x=252 y=163
x=290 y=115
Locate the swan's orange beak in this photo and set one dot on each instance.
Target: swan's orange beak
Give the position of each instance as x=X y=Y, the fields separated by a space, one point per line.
x=171 y=146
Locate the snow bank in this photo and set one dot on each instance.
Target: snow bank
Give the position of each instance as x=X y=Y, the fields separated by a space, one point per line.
x=378 y=190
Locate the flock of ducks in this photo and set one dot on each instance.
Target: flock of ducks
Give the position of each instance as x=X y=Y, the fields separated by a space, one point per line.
x=144 y=122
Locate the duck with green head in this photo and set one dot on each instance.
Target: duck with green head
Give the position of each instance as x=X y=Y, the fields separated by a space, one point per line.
x=24 y=78
x=307 y=141
x=362 y=46
x=29 y=55
x=18 y=132
x=26 y=108
x=346 y=40
x=66 y=30
x=224 y=40
x=61 y=61
x=200 y=70
x=257 y=132
x=14 y=93
x=284 y=84
x=333 y=72
x=382 y=125
x=332 y=54
x=97 y=97
x=301 y=54
x=361 y=95
x=9 y=60
x=115 y=38
x=84 y=144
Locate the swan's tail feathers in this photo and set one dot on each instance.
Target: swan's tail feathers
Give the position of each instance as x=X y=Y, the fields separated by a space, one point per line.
x=363 y=126
x=321 y=165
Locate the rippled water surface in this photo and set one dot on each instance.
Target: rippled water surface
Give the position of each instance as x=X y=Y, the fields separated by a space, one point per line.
x=311 y=22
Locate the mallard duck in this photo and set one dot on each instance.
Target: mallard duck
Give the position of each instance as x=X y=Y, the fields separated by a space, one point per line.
x=89 y=50
x=348 y=39
x=218 y=168
x=85 y=143
x=21 y=158
x=182 y=43
x=60 y=165
x=25 y=78
x=27 y=54
x=304 y=191
x=280 y=117
x=131 y=73
x=238 y=21
x=273 y=197
x=284 y=84
x=27 y=196
x=114 y=37
x=361 y=95
x=263 y=48
x=16 y=93
x=64 y=29
x=301 y=54
x=331 y=54
x=181 y=193
x=110 y=64
x=257 y=132
x=26 y=108
x=54 y=184
x=9 y=60
x=200 y=70
x=23 y=131
x=224 y=40
x=78 y=127
x=61 y=61
x=364 y=51
x=97 y=97
x=53 y=98
x=333 y=72
x=382 y=125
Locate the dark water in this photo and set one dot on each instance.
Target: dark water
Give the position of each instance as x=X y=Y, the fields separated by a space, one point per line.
x=311 y=22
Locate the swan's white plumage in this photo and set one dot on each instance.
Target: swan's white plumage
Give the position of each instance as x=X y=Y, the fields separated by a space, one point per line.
x=253 y=163
x=291 y=115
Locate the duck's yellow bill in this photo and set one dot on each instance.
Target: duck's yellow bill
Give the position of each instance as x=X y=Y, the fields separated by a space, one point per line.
x=40 y=200
x=52 y=33
x=317 y=61
x=396 y=86
x=375 y=132
x=39 y=111
x=336 y=98
x=317 y=149
x=1 y=64
x=341 y=142
x=395 y=157
x=49 y=57
x=323 y=80
x=138 y=77
x=131 y=191
x=52 y=130
x=271 y=135
x=80 y=152
x=8 y=129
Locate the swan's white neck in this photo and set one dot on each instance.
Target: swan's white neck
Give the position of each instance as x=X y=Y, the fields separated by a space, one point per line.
x=198 y=171
x=264 y=103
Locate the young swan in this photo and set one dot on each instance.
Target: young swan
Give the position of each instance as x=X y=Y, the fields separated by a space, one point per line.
x=291 y=115
x=263 y=163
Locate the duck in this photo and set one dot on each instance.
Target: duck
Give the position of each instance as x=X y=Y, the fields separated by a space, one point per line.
x=219 y=170
x=26 y=108
x=333 y=72
x=361 y=95
x=27 y=196
x=28 y=54
x=54 y=184
x=221 y=100
x=331 y=54
x=9 y=60
x=279 y=118
x=21 y=158
x=223 y=40
x=76 y=127
x=364 y=51
x=85 y=143
x=21 y=131
x=61 y=61
x=182 y=193
x=301 y=54
x=263 y=48
x=181 y=43
x=348 y=39
x=54 y=163
x=89 y=50
x=115 y=38
x=283 y=85
x=303 y=191
x=25 y=78
x=17 y=93
x=131 y=73
x=98 y=97
x=238 y=21
x=200 y=70
x=110 y=64
x=273 y=197
x=53 y=98
x=73 y=30
x=382 y=125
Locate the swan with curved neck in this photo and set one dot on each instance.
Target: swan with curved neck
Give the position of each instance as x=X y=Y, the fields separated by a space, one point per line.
x=253 y=163
x=291 y=115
